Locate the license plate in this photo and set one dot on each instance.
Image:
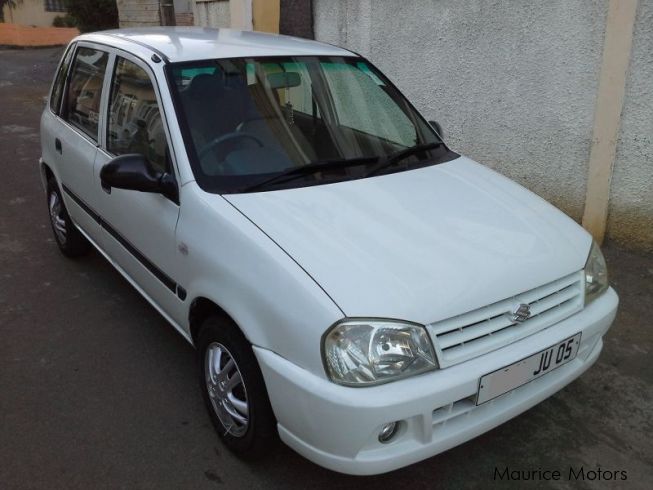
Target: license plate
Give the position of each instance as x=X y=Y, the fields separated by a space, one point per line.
x=510 y=377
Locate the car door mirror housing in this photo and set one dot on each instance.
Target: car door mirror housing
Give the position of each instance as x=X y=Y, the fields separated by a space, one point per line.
x=438 y=129
x=134 y=172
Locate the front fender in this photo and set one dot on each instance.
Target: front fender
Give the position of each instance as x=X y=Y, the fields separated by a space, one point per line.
x=231 y=262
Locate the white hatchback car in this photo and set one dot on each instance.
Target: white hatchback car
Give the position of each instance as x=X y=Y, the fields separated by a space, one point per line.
x=351 y=284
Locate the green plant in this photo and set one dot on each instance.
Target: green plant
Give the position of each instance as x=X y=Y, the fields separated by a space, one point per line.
x=93 y=16
x=63 y=21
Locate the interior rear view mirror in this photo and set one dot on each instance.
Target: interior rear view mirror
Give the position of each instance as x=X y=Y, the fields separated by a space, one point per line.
x=286 y=79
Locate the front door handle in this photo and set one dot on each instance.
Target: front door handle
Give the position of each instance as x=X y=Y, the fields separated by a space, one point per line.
x=57 y=145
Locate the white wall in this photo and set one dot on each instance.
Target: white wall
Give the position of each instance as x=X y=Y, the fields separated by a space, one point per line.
x=514 y=85
x=630 y=216
x=211 y=13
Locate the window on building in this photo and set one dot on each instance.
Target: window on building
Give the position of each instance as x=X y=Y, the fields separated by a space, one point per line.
x=54 y=5
x=135 y=124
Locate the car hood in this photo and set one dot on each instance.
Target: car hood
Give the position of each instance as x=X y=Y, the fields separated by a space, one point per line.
x=420 y=245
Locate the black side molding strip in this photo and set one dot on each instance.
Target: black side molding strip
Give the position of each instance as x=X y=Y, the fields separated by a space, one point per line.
x=82 y=204
x=156 y=272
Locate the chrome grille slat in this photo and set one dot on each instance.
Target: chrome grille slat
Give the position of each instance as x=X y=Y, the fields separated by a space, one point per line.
x=488 y=328
x=468 y=333
x=553 y=300
x=547 y=289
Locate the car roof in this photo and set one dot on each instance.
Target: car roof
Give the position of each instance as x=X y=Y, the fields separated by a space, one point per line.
x=198 y=43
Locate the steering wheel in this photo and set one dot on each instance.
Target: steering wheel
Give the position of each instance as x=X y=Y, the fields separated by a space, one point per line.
x=227 y=137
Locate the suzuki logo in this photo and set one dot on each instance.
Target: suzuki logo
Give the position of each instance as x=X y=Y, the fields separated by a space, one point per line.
x=520 y=313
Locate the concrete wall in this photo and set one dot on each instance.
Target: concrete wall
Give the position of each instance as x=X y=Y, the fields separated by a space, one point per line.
x=134 y=13
x=630 y=216
x=30 y=13
x=514 y=85
x=211 y=13
x=183 y=12
x=296 y=18
x=183 y=6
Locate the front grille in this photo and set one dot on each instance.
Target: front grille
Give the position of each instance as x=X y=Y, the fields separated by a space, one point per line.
x=474 y=333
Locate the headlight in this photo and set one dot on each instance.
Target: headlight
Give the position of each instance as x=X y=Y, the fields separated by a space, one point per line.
x=596 y=274
x=367 y=352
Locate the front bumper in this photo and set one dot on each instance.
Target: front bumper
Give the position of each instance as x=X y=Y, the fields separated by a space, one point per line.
x=337 y=426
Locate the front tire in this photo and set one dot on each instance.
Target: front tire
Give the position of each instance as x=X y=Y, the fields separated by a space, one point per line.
x=69 y=239
x=234 y=391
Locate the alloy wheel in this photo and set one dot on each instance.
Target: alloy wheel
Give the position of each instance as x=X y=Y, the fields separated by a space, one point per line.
x=226 y=389
x=57 y=217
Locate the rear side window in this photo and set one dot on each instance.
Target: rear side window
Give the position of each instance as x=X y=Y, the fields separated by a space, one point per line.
x=60 y=81
x=82 y=104
x=135 y=124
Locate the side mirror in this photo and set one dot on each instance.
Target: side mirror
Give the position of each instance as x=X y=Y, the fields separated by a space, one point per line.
x=438 y=129
x=134 y=172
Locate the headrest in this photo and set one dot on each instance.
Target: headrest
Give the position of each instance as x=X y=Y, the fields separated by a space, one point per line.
x=204 y=84
x=234 y=79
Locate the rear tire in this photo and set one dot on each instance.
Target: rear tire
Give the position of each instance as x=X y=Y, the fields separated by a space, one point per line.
x=234 y=390
x=69 y=239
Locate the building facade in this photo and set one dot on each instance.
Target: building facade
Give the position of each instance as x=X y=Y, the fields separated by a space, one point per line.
x=39 y=13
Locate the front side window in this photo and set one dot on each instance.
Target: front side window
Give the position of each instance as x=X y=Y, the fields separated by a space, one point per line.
x=84 y=92
x=135 y=124
x=249 y=121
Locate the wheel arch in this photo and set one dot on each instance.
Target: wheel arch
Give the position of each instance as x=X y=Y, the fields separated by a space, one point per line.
x=200 y=309
x=46 y=173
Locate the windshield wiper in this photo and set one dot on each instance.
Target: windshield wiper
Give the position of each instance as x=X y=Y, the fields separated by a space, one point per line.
x=310 y=168
x=400 y=155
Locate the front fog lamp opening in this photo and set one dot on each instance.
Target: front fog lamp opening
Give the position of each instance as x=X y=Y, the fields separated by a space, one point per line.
x=388 y=432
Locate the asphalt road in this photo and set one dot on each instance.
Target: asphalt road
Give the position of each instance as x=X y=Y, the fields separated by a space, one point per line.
x=97 y=391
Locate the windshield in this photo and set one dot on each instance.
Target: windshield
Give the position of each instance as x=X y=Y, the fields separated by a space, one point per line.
x=247 y=122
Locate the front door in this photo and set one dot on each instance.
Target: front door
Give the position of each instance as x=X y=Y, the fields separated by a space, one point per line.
x=76 y=139
x=138 y=227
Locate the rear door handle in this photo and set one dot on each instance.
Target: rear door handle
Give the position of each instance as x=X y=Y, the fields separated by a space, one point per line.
x=57 y=145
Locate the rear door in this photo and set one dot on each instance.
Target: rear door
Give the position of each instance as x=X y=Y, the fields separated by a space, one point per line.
x=75 y=139
x=139 y=227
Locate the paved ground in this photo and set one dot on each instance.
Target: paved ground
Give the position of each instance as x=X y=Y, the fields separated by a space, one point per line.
x=97 y=391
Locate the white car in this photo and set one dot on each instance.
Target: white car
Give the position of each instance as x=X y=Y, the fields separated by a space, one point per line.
x=351 y=284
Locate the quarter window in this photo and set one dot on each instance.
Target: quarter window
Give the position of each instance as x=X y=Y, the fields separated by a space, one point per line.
x=82 y=105
x=60 y=82
x=135 y=124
